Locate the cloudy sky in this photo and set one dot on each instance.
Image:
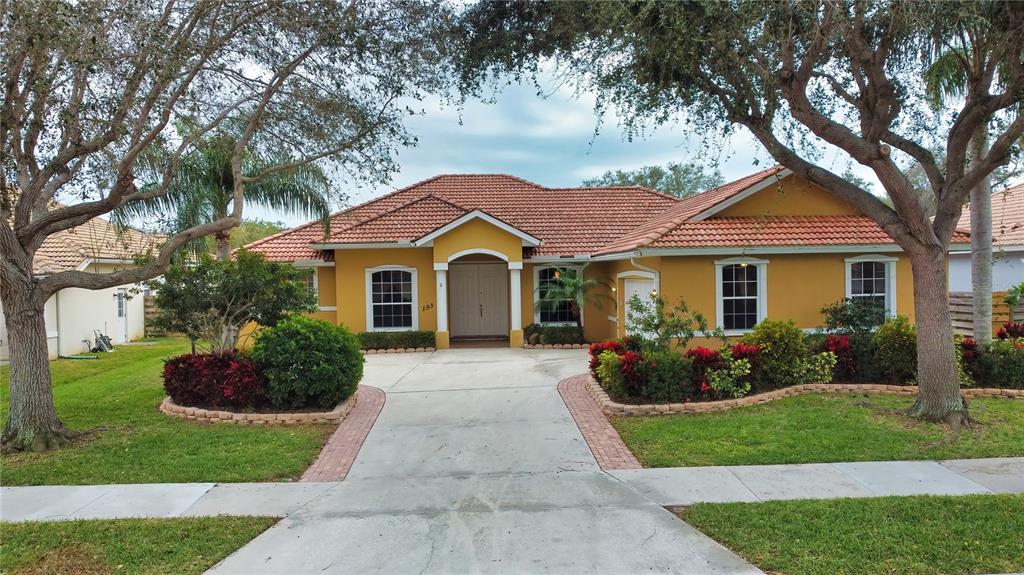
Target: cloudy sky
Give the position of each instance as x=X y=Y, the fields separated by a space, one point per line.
x=549 y=140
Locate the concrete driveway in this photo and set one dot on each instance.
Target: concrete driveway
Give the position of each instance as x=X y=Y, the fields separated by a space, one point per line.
x=475 y=465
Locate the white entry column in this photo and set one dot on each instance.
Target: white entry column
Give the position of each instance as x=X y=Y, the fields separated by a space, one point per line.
x=441 y=275
x=515 y=296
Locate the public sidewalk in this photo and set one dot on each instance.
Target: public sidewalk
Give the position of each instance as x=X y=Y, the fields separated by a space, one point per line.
x=666 y=487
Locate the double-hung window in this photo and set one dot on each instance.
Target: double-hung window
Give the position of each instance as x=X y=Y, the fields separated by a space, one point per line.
x=872 y=278
x=741 y=289
x=550 y=311
x=309 y=281
x=391 y=295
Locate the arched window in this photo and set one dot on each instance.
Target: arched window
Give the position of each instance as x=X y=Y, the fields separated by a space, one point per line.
x=391 y=295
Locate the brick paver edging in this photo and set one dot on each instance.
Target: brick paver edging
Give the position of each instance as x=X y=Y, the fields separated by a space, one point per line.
x=610 y=407
x=341 y=449
x=601 y=437
x=213 y=416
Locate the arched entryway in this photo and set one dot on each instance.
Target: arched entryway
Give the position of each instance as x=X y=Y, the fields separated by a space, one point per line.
x=478 y=298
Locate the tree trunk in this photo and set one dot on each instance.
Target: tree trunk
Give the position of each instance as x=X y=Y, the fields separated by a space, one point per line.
x=223 y=242
x=32 y=421
x=981 y=247
x=938 y=394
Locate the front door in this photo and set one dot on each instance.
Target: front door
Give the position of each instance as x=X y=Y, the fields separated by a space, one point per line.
x=479 y=300
x=120 y=334
x=639 y=287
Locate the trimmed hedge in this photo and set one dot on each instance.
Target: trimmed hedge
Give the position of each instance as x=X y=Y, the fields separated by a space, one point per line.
x=396 y=339
x=308 y=363
x=535 y=334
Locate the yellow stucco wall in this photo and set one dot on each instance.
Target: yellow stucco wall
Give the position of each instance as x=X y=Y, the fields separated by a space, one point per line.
x=791 y=196
x=350 y=272
x=478 y=234
x=327 y=288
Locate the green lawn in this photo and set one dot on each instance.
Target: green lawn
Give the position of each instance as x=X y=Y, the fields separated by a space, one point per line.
x=115 y=400
x=125 y=545
x=906 y=535
x=819 y=428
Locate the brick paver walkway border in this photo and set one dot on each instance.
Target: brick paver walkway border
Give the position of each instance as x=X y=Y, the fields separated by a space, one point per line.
x=604 y=441
x=337 y=456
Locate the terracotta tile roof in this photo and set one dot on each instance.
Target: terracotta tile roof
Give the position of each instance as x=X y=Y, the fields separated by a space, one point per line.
x=569 y=221
x=95 y=239
x=1007 y=217
x=761 y=231
x=685 y=209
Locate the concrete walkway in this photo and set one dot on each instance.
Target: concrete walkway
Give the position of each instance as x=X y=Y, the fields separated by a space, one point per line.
x=475 y=465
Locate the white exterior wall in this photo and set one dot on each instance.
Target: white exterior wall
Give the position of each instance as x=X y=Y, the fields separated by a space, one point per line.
x=1007 y=270
x=72 y=315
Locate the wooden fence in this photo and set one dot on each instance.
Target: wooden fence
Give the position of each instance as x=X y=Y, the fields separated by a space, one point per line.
x=150 y=311
x=961 y=306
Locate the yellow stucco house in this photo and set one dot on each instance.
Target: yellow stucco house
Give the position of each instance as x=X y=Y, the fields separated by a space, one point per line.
x=468 y=256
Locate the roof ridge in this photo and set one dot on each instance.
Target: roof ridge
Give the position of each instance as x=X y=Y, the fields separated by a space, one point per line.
x=402 y=207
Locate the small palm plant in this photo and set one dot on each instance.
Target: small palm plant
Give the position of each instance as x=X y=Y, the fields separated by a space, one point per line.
x=572 y=286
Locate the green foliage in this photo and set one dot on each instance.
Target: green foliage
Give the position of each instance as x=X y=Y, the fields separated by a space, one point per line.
x=609 y=373
x=679 y=179
x=656 y=329
x=308 y=363
x=251 y=230
x=213 y=299
x=783 y=349
x=730 y=380
x=1001 y=364
x=895 y=345
x=396 y=339
x=545 y=334
x=667 y=377
x=853 y=316
x=1014 y=297
x=818 y=368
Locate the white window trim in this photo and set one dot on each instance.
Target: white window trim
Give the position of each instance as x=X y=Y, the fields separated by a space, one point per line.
x=890 y=278
x=536 y=296
x=762 y=291
x=369 y=298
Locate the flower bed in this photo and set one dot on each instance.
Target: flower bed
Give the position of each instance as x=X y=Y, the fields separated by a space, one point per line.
x=556 y=346
x=286 y=418
x=612 y=408
x=298 y=366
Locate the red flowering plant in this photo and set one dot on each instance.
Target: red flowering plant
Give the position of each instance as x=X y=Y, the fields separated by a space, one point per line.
x=1011 y=330
x=596 y=349
x=630 y=363
x=704 y=359
x=846 y=360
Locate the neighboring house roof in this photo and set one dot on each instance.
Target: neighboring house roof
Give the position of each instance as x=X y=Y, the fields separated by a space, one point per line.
x=1007 y=217
x=96 y=239
x=574 y=221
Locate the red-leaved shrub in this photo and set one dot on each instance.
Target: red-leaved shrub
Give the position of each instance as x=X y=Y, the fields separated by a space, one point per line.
x=596 y=349
x=704 y=359
x=1011 y=330
x=846 y=359
x=212 y=380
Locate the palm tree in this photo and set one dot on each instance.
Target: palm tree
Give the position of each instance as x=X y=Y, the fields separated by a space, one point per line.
x=947 y=77
x=202 y=190
x=571 y=285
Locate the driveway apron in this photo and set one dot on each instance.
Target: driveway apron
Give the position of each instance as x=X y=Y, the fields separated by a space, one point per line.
x=476 y=466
